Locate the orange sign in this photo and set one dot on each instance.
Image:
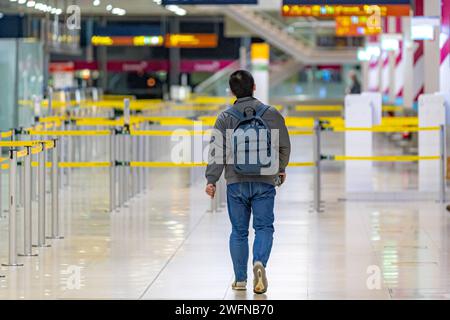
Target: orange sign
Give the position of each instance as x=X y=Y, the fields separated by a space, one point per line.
x=138 y=41
x=355 y=26
x=329 y=11
x=191 y=40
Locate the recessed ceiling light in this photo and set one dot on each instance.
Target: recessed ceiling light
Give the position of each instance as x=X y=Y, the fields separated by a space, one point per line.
x=31 y=4
x=109 y=7
x=96 y=3
x=22 y=1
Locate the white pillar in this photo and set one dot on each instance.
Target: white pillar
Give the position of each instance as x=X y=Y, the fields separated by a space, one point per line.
x=365 y=70
x=432 y=49
x=408 y=61
x=260 y=69
x=392 y=55
x=362 y=110
x=432 y=113
x=381 y=73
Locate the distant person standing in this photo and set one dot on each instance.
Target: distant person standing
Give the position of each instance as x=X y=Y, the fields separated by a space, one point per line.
x=250 y=186
x=355 y=86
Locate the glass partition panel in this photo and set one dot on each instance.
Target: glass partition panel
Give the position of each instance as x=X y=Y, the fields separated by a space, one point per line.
x=8 y=115
x=31 y=78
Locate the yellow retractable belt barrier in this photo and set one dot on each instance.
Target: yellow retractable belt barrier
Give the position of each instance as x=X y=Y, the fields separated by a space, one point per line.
x=84 y=164
x=12 y=144
x=386 y=129
x=22 y=153
x=312 y=108
x=70 y=133
x=180 y=132
x=166 y=164
x=301 y=164
x=199 y=164
x=161 y=164
x=386 y=158
x=6 y=134
x=98 y=122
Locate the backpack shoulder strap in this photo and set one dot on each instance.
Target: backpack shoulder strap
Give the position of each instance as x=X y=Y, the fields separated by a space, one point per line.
x=233 y=112
x=261 y=109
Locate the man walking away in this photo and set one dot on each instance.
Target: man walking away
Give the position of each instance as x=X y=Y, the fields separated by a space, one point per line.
x=250 y=189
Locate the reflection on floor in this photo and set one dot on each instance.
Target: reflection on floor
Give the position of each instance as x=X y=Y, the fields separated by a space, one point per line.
x=165 y=245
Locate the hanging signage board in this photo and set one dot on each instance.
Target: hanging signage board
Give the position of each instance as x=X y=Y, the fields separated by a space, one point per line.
x=350 y=26
x=337 y=8
x=191 y=40
x=130 y=41
x=210 y=2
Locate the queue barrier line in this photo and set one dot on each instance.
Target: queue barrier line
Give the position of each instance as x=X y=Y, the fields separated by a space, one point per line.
x=70 y=133
x=19 y=144
x=386 y=158
x=103 y=164
x=6 y=134
x=385 y=129
x=210 y=121
x=186 y=132
x=198 y=164
x=312 y=108
x=168 y=133
x=140 y=164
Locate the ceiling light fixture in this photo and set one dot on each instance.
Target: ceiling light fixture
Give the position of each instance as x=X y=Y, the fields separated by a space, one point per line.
x=118 y=11
x=176 y=9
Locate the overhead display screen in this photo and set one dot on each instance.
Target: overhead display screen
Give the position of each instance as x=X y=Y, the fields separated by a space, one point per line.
x=343 y=2
x=337 y=8
x=211 y=2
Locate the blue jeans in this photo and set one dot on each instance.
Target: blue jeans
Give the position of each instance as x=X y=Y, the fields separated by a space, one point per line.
x=243 y=198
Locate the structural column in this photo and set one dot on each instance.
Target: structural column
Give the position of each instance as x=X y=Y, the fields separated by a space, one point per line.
x=432 y=8
x=260 y=67
x=408 y=64
x=445 y=47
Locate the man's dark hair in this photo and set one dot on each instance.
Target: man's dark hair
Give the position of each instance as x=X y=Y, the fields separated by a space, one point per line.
x=242 y=83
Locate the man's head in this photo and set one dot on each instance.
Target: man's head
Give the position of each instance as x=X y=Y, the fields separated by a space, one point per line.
x=242 y=84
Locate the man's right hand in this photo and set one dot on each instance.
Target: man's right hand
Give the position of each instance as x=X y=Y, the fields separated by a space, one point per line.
x=282 y=177
x=210 y=190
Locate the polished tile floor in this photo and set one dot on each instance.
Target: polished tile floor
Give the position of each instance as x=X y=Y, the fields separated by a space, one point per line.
x=166 y=245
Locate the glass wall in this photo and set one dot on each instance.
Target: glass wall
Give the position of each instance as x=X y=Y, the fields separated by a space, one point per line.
x=21 y=71
x=30 y=78
x=8 y=115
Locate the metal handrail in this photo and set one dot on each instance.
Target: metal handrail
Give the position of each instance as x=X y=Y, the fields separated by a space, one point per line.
x=216 y=77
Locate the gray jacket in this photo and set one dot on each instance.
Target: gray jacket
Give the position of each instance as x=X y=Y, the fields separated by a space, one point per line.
x=274 y=120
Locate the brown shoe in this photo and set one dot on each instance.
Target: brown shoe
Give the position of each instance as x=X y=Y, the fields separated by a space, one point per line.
x=260 y=280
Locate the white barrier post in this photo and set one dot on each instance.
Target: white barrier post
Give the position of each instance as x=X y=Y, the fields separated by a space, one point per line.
x=432 y=113
x=27 y=221
x=317 y=172
x=443 y=159
x=55 y=217
x=12 y=253
x=112 y=171
x=364 y=111
x=42 y=197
